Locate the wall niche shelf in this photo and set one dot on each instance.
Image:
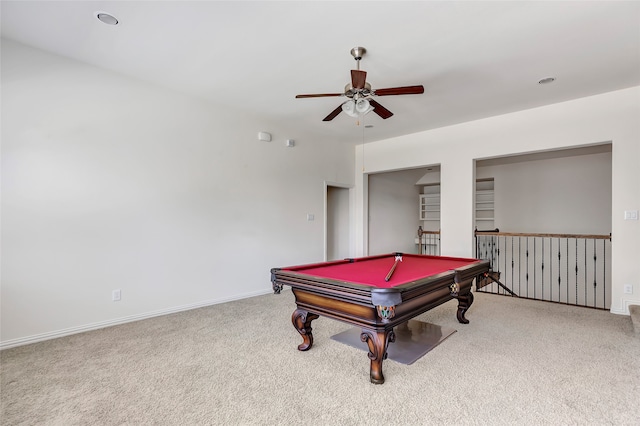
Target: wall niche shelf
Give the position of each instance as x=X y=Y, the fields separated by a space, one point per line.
x=485 y=204
x=429 y=204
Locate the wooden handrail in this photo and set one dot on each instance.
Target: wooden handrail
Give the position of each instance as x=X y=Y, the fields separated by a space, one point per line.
x=421 y=232
x=525 y=234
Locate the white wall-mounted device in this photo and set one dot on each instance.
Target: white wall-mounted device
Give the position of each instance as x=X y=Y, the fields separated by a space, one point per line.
x=264 y=136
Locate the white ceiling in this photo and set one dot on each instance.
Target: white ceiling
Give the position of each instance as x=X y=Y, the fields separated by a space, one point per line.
x=476 y=59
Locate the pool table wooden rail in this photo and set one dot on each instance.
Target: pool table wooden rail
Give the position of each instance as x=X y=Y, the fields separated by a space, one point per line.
x=411 y=294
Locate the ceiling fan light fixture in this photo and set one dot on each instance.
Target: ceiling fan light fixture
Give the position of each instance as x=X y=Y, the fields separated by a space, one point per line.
x=356 y=108
x=363 y=106
x=349 y=108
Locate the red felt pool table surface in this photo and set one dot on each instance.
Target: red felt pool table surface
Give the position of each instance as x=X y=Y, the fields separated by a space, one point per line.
x=372 y=271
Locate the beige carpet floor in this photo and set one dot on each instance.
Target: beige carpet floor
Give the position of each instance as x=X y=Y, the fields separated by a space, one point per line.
x=518 y=362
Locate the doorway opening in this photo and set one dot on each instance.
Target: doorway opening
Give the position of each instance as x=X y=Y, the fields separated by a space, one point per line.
x=337 y=225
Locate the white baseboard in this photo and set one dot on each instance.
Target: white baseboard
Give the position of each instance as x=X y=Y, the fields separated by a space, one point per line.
x=109 y=323
x=624 y=308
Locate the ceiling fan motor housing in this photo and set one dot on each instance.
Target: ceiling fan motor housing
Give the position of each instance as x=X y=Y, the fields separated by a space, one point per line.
x=350 y=92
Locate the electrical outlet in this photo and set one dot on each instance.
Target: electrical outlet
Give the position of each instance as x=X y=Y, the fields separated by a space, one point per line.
x=628 y=289
x=116 y=295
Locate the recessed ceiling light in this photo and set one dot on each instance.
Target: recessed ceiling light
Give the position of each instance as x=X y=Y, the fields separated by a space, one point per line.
x=106 y=18
x=547 y=80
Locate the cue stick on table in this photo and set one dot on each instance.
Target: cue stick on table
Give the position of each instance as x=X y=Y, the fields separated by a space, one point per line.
x=393 y=268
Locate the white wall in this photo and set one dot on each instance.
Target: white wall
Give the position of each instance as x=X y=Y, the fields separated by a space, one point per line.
x=597 y=119
x=557 y=195
x=110 y=183
x=393 y=211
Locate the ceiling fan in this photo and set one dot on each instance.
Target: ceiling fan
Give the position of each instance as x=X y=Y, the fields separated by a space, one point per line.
x=360 y=92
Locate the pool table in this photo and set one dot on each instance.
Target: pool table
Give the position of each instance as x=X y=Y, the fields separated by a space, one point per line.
x=377 y=293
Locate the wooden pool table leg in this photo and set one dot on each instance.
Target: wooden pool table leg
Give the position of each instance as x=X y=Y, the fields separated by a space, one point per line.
x=301 y=320
x=378 y=341
x=464 y=302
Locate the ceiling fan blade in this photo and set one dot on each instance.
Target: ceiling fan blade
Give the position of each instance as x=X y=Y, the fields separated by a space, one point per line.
x=380 y=110
x=333 y=114
x=358 y=79
x=406 y=90
x=319 y=95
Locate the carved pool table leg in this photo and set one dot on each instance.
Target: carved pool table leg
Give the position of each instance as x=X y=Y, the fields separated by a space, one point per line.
x=301 y=320
x=464 y=302
x=378 y=343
